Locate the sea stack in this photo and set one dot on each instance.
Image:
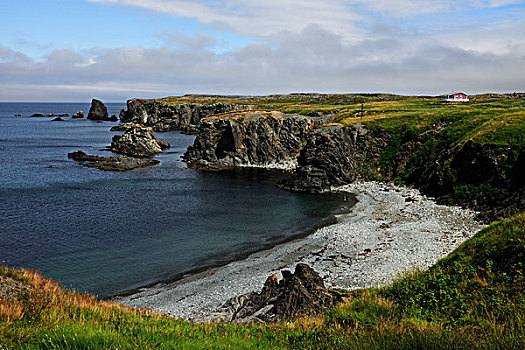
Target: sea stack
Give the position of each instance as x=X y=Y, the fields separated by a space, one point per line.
x=97 y=111
x=138 y=142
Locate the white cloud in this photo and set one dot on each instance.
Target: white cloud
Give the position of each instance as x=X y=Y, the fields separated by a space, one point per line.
x=312 y=60
x=259 y=19
x=302 y=46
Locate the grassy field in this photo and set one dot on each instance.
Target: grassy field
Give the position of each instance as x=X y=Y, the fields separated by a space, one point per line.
x=473 y=299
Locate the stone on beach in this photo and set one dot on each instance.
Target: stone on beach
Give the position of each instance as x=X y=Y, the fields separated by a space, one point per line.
x=297 y=294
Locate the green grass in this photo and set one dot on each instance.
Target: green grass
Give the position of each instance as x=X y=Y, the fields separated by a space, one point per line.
x=472 y=299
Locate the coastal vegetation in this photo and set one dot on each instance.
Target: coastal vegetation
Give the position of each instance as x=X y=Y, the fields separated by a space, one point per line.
x=471 y=154
x=472 y=299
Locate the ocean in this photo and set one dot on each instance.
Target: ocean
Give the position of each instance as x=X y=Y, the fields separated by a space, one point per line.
x=106 y=232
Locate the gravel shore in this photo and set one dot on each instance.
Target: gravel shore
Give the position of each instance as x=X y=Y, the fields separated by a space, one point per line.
x=390 y=230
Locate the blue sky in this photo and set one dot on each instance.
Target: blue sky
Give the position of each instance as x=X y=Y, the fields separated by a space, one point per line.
x=118 y=49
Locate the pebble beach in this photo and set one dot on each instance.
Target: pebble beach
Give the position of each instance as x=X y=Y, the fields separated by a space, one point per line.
x=391 y=230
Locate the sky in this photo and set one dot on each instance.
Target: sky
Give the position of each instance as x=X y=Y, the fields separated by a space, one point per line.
x=114 y=50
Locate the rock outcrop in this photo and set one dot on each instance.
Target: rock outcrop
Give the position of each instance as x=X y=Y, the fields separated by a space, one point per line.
x=297 y=294
x=318 y=155
x=98 y=111
x=165 y=117
x=253 y=138
x=125 y=126
x=78 y=115
x=138 y=142
x=118 y=163
x=332 y=156
x=136 y=147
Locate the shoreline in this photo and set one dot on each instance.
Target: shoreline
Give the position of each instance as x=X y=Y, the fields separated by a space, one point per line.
x=345 y=206
x=390 y=230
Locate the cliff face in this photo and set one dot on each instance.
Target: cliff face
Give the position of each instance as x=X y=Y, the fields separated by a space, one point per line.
x=444 y=156
x=317 y=156
x=165 y=117
x=332 y=156
x=257 y=138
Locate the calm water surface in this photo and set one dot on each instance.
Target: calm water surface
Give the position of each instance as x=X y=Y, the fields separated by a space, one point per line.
x=106 y=232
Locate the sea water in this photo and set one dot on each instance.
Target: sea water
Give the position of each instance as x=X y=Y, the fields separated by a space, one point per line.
x=109 y=232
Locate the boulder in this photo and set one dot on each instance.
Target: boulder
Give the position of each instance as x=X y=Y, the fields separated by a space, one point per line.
x=97 y=111
x=138 y=142
x=297 y=294
x=79 y=115
x=57 y=119
x=113 y=118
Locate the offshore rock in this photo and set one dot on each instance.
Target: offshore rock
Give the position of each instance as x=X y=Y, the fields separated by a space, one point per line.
x=297 y=294
x=79 y=115
x=97 y=111
x=125 y=126
x=138 y=142
x=118 y=163
x=166 y=117
x=252 y=138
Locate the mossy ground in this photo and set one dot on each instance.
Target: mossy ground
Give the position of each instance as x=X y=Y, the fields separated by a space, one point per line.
x=472 y=299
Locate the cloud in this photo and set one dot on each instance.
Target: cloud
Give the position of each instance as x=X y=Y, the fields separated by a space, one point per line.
x=312 y=60
x=181 y=40
x=258 y=19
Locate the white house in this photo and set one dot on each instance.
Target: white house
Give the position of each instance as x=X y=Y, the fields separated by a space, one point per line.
x=455 y=97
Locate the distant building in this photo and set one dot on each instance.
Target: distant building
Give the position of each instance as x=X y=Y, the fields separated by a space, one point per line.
x=455 y=97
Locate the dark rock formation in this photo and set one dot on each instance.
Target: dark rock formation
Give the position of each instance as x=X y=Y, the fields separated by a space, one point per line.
x=125 y=126
x=38 y=115
x=165 y=117
x=97 y=111
x=297 y=294
x=253 y=138
x=332 y=156
x=119 y=163
x=113 y=118
x=79 y=115
x=58 y=119
x=138 y=142
x=319 y=156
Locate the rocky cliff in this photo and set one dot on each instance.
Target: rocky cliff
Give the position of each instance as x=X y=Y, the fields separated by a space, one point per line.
x=163 y=116
x=315 y=154
x=332 y=156
x=474 y=159
x=319 y=156
x=253 y=138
